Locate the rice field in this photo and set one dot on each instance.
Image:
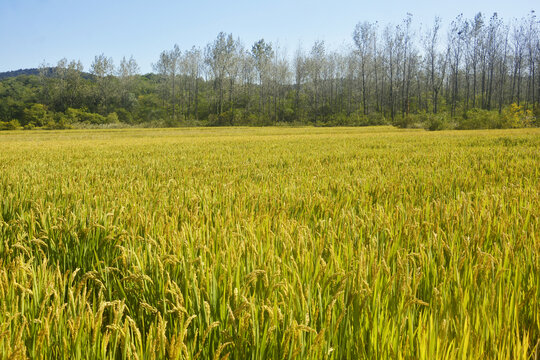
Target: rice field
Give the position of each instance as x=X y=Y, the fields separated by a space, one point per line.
x=270 y=243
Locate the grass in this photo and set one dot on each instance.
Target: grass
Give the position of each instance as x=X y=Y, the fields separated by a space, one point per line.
x=270 y=243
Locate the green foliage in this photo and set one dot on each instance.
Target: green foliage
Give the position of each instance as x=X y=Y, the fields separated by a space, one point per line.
x=420 y=120
x=82 y=116
x=355 y=119
x=70 y=98
x=479 y=119
x=512 y=117
x=11 y=125
x=515 y=116
x=124 y=116
x=59 y=122
x=287 y=115
x=406 y=121
x=226 y=118
x=112 y=118
x=37 y=115
x=438 y=122
x=536 y=114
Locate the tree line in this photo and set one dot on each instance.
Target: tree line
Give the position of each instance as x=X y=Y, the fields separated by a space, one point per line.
x=479 y=73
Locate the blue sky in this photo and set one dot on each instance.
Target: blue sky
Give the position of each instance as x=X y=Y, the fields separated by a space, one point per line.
x=33 y=31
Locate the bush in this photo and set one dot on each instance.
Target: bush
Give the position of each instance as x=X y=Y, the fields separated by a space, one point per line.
x=437 y=122
x=81 y=115
x=124 y=116
x=515 y=116
x=411 y=121
x=423 y=120
x=376 y=118
x=536 y=113
x=245 y=118
x=37 y=114
x=10 y=125
x=60 y=122
x=354 y=119
x=287 y=115
x=223 y=119
x=479 y=119
x=112 y=118
x=339 y=119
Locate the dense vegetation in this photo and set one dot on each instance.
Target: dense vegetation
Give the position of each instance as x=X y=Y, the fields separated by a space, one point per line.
x=484 y=75
x=270 y=243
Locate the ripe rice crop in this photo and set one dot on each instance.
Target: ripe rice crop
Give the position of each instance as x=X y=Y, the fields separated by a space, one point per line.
x=270 y=243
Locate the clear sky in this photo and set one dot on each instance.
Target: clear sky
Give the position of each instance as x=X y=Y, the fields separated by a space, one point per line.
x=33 y=31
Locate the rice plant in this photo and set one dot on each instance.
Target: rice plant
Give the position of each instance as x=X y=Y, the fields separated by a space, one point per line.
x=270 y=243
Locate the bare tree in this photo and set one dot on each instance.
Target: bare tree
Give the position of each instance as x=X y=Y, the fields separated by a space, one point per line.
x=262 y=54
x=364 y=35
x=168 y=66
x=435 y=61
x=219 y=56
x=192 y=66
x=126 y=72
x=456 y=40
x=103 y=69
x=299 y=78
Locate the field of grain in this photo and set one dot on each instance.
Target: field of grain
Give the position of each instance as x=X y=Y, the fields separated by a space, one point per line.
x=270 y=243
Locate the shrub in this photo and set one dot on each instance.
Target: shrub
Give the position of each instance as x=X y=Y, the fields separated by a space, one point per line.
x=409 y=121
x=376 y=118
x=339 y=119
x=112 y=118
x=81 y=115
x=124 y=116
x=479 y=119
x=10 y=125
x=437 y=122
x=515 y=116
x=37 y=114
x=213 y=120
x=287 y=115
x=60 y=122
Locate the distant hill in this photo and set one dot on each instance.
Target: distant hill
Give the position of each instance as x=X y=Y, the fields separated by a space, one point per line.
x=15 y=73
x=34 y=71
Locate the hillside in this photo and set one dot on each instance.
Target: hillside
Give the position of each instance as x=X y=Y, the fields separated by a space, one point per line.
x=15 y=73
